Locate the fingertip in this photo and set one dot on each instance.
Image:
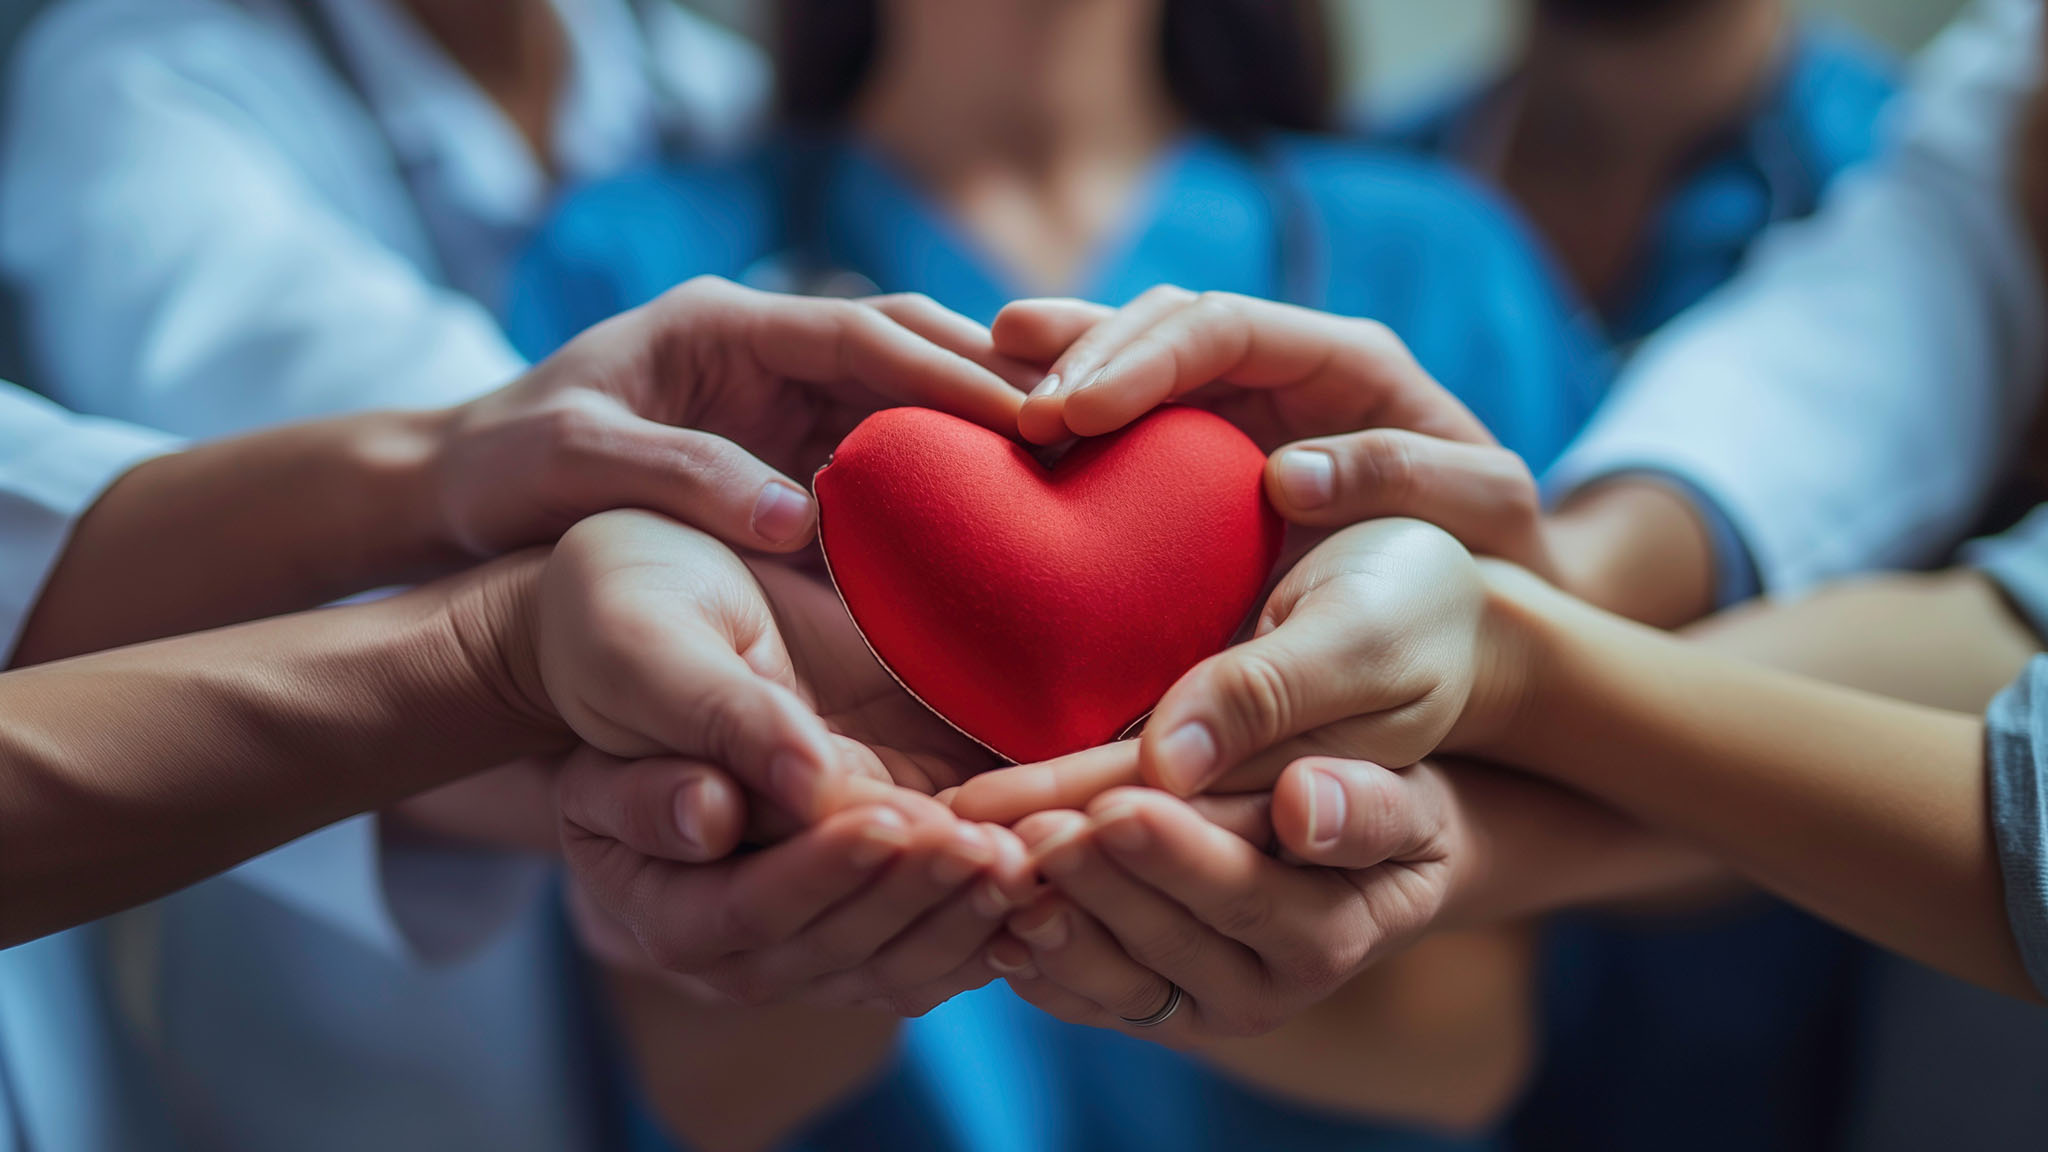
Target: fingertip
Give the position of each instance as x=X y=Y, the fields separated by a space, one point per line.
x=878 y=835
x=1301 y=481
x=1092 y=407
x=710 y=815
x=1041 y=829
x=1040 y=420
x=1316 y=813
x=784 y=517
x=1180 y=757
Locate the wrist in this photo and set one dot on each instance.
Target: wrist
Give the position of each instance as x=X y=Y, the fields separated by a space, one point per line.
x=487 y=635
x=1513 y=666
x=397 y=503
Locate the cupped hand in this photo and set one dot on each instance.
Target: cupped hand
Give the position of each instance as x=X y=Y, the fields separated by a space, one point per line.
x=1148 y=894
x=713 y=405
x=1356 y=428
x=663 y=652
x=887 y=903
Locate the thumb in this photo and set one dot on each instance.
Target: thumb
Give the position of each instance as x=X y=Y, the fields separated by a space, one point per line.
x=1351 y=814
x=697 y=478
x=1246 y=699
x=655 y=641
x=663 y=807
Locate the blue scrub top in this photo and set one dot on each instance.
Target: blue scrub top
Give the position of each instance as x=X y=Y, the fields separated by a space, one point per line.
x=1819 y=118
x=1403 y=241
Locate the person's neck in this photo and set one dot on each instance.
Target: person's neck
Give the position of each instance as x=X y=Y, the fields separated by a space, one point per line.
x=517 y=51
x=1031 y=122
x=1590 y=132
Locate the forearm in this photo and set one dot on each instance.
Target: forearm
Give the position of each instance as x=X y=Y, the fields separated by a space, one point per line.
x=1537 y=848
x=130 y=773
x=720 y=1078
x=1636 y=548
x=1868 y=812
x=245 y=528
x=1946 y=640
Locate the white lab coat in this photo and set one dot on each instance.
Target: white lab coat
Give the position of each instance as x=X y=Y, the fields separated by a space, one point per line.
x=210 y=230
x=1851 y=399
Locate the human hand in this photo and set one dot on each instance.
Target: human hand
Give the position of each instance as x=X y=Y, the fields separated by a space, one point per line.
x=712 y=405
x=662 y=651
x=1149 y=895
x=1357 y=430
x=1382 y=645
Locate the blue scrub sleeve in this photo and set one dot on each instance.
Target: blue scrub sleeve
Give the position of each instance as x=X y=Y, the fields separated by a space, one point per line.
x=2016 y=750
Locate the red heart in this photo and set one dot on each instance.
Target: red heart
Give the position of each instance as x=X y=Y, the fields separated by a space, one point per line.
x=1043 y=612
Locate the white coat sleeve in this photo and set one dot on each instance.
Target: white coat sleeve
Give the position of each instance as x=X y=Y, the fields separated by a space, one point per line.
x=179 y=263
x=179 y=212
x=1851 y=399
x=53 y=466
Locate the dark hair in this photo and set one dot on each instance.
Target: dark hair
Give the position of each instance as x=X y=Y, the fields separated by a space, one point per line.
x=1238 y=67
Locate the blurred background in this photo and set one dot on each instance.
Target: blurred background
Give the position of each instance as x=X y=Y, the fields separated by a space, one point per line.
x=1399 y=48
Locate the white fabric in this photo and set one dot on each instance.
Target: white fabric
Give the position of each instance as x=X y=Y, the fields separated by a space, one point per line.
x=53 y=465
x=1851 y=399
x=209 y=230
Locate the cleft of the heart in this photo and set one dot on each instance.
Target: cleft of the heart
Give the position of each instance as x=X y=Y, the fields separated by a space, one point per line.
x=1043 y=611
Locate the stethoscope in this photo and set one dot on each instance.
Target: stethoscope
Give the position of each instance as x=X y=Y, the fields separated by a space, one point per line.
x=803 y=262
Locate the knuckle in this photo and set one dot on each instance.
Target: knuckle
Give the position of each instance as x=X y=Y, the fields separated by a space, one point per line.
x=1174 y=947
x=1383 y=467
x=1243 y=916
x=1165 y=294
x=911 y=303
x=1257 y=702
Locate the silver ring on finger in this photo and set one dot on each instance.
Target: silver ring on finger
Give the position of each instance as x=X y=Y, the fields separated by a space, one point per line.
x=1173 y=999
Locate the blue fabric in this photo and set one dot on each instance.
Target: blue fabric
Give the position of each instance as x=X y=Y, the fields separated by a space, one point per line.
x=989 y=1073
x=1727 y=1034
x=1819 y=119
x=1402 y=241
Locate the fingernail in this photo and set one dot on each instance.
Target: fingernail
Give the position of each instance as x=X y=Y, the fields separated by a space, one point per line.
x=1307 y=478
x=1325 y=809
x=1122 y=829
x=881 y=838
x=691 y=800
x=1046 y=387
x=989 y=900
x=1187 y=758
x=1046 y=936
x=782 y=512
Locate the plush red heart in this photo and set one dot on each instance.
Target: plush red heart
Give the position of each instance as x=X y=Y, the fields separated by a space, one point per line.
x=1043 y=612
